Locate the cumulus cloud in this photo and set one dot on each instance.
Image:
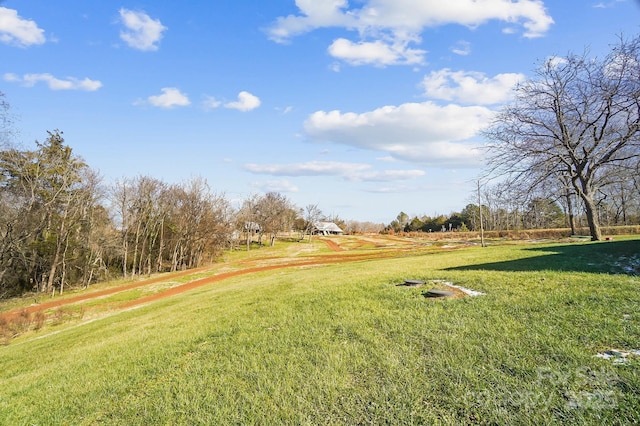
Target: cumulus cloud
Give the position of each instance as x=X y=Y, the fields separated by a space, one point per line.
x=470 y=87
x=377 y=53
x=17 y=31
x=314 y=14
x=141 y=32
x=425 y=132
x=170 y=97
x=70 y=83
x=387 y=27
x=246 y=102
x=349 y=171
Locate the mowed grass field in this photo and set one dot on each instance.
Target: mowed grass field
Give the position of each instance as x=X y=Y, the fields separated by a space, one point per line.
x=344 y=344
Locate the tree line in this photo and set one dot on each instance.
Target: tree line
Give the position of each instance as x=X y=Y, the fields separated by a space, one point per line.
x=61 y=226
x=503 y=210
x=566 y=149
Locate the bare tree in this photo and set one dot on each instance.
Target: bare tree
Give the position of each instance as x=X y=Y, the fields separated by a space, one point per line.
x=198 y=224
x=312 y=215
x=246 y=218
x=578 y=120
x=358 y=227
x=99 y=238
x=122 y=198
x=274 y=214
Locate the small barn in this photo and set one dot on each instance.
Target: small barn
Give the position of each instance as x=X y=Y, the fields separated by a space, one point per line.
x=326 y=228
x=249 y=228
x=252 y=227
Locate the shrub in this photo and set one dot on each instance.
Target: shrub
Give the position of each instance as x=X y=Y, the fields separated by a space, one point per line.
x=5 y=333
x=39 y=320
x=22 y=322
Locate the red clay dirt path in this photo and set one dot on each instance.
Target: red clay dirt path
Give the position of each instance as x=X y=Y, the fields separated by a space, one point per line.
x=93 y=295
x=318 y=260
x=332 y=245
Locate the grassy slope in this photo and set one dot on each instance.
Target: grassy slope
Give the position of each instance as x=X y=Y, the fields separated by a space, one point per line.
x=343 y=345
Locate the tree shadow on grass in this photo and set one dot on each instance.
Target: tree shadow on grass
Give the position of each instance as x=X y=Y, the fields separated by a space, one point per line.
x=617 y=257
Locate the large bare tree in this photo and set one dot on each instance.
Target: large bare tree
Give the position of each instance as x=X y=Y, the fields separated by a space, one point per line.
x=577 y=120
x=312 y=214
x=274 y=213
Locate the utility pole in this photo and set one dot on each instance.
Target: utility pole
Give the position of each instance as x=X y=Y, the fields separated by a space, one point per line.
x=480 y=210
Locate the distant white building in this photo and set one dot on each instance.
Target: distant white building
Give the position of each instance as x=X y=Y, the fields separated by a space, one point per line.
x=252 y=227
x=249 y=228
x=326 y=228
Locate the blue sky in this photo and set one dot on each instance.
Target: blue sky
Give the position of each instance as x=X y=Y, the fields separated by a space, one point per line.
x=363 y=107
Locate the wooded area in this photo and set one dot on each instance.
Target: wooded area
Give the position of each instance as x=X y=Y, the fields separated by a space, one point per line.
x=60 y=225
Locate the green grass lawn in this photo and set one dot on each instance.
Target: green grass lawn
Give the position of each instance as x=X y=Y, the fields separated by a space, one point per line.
x=343 y=344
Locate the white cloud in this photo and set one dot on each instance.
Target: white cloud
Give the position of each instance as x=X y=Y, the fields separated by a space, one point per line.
x=70 y=83
x=246 y=102
x=349 y=171
x=18 y=31
x=276 y=186
x=387 y=27
x=603 y=5
x=315 y=14
x=11 y=78
x=555 y=61
x=311 y=168
x=462 y=48
x=284 y=110
x=424 y=133
x=470 y=87
x=619 y=63
x=210 y=103
x=141 y=32
x=377 y=53
x=170 y=97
